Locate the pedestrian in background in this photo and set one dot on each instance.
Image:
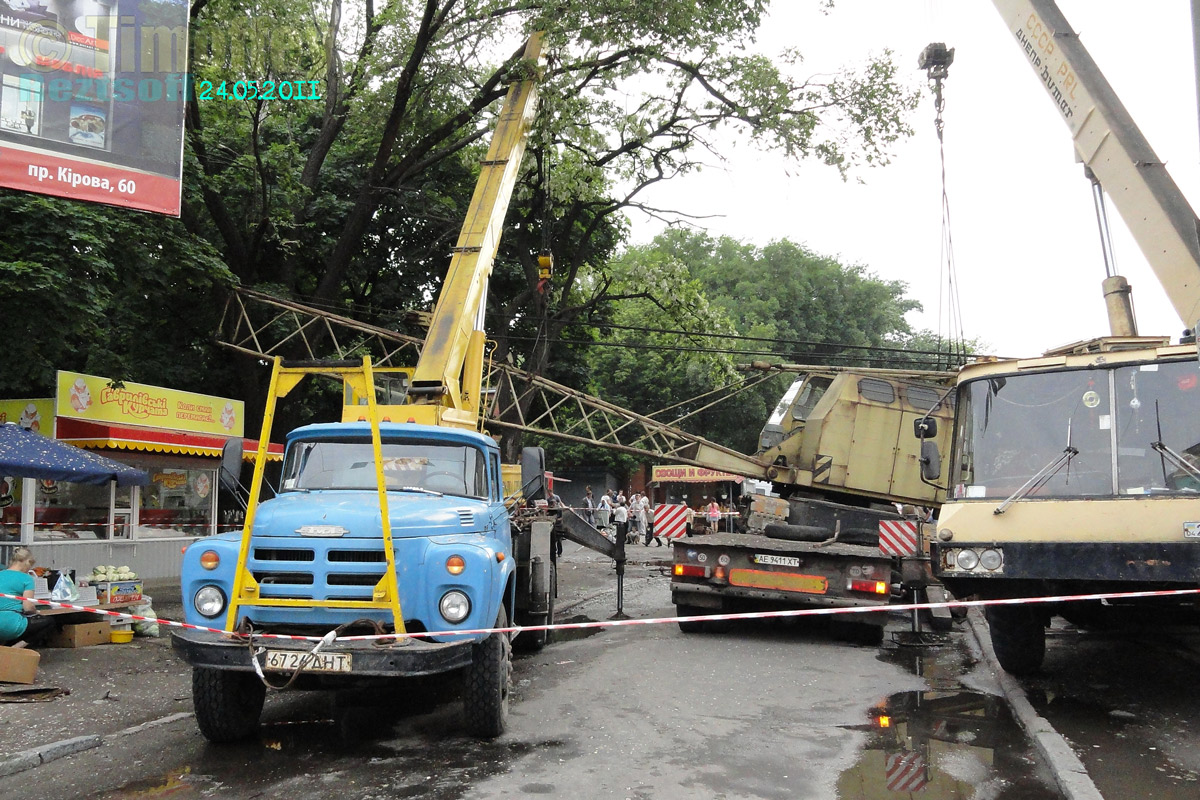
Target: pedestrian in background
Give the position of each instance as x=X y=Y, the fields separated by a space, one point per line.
x=714 y=515
x=604 y=511
x=649 y=512
x=621 y=520
x=688 y=519
x=589 y=508
x=637 y=511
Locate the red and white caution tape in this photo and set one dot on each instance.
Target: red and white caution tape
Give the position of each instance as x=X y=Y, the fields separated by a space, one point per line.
x=619 y=623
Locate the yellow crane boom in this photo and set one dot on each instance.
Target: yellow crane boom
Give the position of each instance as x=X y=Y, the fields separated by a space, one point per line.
x=446 y=384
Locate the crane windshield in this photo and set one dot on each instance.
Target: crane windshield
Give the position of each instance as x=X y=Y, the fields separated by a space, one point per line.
x=1134 y=427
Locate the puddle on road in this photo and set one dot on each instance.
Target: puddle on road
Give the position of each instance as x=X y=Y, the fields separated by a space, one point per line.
x=945 y=743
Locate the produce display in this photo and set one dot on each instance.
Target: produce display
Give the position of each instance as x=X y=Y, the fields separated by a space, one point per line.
x=102 y=573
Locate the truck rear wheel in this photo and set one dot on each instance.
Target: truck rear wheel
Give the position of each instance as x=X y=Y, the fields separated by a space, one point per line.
x=488 y=681
x=1018 y=637
x=699 y=626
x=227 y=704
x=534 y=641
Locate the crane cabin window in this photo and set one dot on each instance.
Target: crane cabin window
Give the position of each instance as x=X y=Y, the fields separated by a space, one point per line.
x=924 y=399
x=877 y=390
x=814 y=389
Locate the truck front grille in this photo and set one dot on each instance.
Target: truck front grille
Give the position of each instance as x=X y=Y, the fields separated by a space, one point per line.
x=358 y=556
x=364 y=579
x=326 y=570
x=284 y=578
x=282 y=554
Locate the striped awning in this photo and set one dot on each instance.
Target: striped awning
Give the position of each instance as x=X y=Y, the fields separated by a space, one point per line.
x=103 y=436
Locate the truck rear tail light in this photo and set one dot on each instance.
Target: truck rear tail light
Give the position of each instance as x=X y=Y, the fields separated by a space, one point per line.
x=720 y=574
x=872 y=587
x=690 y=571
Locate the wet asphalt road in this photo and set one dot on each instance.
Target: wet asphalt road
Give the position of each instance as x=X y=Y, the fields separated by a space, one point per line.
x=766 y=711
x=1125 y=699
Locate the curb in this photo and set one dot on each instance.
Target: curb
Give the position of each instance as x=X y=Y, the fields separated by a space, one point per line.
x=40 y=755
x=35 y=757
x=1069 y=773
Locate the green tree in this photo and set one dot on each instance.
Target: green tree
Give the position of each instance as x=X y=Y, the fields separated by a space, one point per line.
x=354 y=200
x=79 y=297
x=792 y=304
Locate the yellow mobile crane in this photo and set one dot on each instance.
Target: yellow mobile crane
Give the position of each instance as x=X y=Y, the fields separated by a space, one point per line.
x=1076 y=472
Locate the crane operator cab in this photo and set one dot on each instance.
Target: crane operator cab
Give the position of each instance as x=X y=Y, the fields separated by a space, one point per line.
x=793 y=409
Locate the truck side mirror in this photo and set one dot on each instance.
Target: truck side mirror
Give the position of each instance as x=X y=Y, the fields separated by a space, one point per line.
x=931 y=460
x=925 y=427
x=533 y=473
x=231 y=464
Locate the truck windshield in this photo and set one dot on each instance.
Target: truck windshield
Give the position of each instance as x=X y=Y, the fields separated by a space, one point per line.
x=1012 y=426
x=444 y=468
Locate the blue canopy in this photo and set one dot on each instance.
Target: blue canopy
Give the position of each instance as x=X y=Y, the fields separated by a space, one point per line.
x=25 y=454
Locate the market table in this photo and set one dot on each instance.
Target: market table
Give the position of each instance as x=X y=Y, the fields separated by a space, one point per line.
x=50 y=611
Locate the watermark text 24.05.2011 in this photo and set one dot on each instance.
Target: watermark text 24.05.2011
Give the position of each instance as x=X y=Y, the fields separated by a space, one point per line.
x=258 y=90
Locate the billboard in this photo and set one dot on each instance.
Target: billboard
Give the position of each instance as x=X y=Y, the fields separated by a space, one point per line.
x=92 y=100
x=684 y=473
x=96 y=399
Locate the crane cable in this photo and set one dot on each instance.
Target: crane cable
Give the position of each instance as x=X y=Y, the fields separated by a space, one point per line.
x=936 y=60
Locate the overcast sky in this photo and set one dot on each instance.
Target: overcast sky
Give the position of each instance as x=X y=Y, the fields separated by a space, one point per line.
x=1026 y=246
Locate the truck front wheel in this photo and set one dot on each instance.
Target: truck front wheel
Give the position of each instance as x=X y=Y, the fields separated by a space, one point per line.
x=488 y=682
x=227 y=704
x=1018 y=637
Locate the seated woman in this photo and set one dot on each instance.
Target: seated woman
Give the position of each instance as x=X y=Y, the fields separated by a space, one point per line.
x=19 y=620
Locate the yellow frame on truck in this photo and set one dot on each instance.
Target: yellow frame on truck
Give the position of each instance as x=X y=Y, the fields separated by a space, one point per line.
x=359 y=378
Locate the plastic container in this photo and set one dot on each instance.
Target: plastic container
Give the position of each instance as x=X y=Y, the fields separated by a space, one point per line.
x=120 y=637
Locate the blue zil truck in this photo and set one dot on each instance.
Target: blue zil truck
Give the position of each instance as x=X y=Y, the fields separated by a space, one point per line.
x=377 y=528
x=392 y=521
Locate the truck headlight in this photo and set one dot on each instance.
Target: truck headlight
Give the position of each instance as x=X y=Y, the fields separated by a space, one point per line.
x=209 y=601
x=454 y=606
x=991 y=559
x=968 y=559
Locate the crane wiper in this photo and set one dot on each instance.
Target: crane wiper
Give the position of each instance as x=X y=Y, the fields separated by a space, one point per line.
x=1040 y=478
x=1176 y=459
x=1043 y=475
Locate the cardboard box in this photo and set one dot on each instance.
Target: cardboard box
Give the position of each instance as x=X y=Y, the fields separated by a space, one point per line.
x=18 y=665
x=85 y=635
x=118 y=591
